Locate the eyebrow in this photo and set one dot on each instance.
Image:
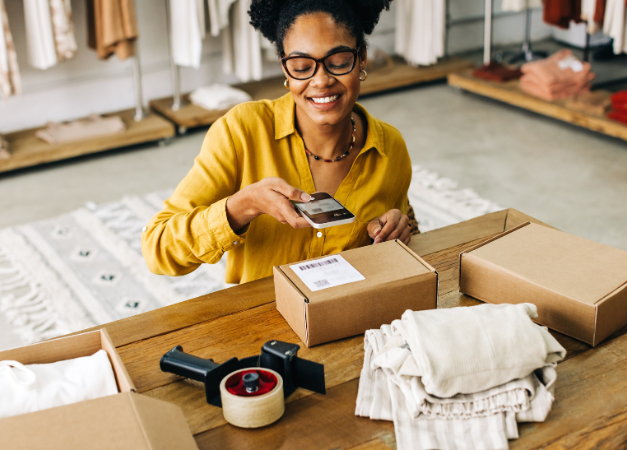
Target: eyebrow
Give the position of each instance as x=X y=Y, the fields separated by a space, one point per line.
x=333 y=50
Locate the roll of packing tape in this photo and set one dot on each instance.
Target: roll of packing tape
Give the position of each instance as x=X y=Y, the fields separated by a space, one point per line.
x=252 y=398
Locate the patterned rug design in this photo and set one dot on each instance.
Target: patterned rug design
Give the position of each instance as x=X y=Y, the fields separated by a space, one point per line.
x=85 y=267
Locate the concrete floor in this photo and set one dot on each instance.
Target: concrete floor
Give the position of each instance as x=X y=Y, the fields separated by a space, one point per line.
x=568 y=177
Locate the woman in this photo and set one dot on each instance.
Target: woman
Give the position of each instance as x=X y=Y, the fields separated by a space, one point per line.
x=261 y=155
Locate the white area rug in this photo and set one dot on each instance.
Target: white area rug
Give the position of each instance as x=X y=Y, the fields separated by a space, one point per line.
x=85 y=268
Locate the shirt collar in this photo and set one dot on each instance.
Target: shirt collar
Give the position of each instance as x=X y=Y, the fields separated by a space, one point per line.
x=284 y=123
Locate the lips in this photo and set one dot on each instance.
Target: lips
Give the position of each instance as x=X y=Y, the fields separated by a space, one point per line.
x=324 y=101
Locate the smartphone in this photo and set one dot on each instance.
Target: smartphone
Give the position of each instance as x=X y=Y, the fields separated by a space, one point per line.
x=324 y=211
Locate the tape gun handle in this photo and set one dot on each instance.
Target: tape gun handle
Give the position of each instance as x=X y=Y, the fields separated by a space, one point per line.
x=180 y=363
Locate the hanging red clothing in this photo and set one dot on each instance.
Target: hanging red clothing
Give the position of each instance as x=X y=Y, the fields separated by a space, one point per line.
x=561 y=12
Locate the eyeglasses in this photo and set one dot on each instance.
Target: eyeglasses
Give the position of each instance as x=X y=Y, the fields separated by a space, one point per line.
x=305 y=67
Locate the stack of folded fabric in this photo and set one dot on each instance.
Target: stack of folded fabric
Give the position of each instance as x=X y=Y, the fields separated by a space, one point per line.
x=497 y=72
x=460 y=377
x=559 y=76
x=218 y=97
x=619 y=107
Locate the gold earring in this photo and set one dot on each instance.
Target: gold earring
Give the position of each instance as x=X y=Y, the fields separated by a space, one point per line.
x=286 y=83
x=365 y=75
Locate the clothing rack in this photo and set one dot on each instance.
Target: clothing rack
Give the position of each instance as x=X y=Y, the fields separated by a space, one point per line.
x=185 y=114
x=28 y=150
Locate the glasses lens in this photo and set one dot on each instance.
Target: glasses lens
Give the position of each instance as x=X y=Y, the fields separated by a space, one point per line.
x=300 y=68
x=340 y=63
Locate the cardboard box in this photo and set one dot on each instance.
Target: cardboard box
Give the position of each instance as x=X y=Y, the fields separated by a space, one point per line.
x=116 y=422
x=396 y=279
x=579 y=286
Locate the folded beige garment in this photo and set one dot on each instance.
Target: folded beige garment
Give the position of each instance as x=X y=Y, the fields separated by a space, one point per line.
x=596 y=103
x=4 y=149
x=92 y=126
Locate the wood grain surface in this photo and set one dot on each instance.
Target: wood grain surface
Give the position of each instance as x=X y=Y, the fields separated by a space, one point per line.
x=401 y=75
x=28 y=150
x=510 y=92
x=591 y=391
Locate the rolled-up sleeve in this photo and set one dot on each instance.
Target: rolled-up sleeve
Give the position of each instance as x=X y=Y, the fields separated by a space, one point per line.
x=193 y=227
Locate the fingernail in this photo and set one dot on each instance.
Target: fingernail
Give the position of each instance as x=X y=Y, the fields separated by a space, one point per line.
x=377 y=241
x=377 y=230
x=305 y=197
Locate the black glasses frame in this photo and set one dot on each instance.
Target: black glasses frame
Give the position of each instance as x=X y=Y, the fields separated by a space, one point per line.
x=355 y=53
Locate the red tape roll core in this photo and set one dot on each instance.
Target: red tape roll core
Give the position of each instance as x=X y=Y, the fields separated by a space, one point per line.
x=235 y=383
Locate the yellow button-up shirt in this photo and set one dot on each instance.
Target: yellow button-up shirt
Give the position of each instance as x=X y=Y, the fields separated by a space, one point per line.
x=257 y=140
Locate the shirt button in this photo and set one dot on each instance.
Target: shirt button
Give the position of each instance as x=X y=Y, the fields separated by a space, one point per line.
x=235 y=242
x=319 y=234
x=144 y=229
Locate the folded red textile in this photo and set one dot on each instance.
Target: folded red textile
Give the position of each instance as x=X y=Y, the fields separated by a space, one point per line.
x=619 y=116
x=496 y=72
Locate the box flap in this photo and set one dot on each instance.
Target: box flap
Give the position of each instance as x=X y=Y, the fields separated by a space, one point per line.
x=569 y=265
x=108 y=423
x=399 y=261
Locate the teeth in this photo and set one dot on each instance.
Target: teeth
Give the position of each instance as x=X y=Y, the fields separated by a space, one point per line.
x=326 y=99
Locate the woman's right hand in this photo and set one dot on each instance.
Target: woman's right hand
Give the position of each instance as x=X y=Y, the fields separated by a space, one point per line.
x=269 y=196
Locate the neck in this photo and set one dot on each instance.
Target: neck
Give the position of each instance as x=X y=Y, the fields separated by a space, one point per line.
x=325 y=141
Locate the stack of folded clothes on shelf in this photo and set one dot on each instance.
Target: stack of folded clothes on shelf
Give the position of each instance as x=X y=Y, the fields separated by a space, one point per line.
x=559 y=76
x=460 y=377
x=596 y=103
x=619 y=107
x=497 y=72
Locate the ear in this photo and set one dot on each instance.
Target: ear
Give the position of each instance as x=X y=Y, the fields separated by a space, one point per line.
x=363 y=58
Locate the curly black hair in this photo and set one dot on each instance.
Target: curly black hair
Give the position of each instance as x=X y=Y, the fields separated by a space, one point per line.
x=273 y=18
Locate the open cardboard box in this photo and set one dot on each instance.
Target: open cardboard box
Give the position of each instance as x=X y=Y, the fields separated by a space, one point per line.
x=396 y=279
x=578 y=286
x=123 y=421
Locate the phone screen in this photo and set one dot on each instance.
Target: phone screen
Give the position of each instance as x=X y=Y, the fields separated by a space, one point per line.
x=320 y=206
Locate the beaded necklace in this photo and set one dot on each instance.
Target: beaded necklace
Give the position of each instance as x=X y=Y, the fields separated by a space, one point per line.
x=343 y=155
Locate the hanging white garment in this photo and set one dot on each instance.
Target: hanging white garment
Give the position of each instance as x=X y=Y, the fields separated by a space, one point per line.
x=218 y=15
x=521 y=5
x=30 y=388
x=42 y=52
x=187 y=24
x=10 y=83
x=614 y=24
x=242 y=54
x=587 y=14
x=63 y=29
x=420 y=30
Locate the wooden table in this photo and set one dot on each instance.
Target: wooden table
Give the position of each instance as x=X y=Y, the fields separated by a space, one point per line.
x=590 y=411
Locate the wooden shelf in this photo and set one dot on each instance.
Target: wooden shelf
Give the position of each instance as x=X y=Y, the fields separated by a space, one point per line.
x=28 y=150
x=401 y=75
x=511 y=93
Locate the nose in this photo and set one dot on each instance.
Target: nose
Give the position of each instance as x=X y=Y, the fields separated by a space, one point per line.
x=322 y=77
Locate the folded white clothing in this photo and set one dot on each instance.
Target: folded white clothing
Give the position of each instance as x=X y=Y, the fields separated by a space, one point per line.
x=33 y=387
x=392 y=387
x=470 y=349
x=218 y=96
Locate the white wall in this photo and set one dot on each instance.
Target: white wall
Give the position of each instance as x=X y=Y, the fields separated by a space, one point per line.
x=86 y=85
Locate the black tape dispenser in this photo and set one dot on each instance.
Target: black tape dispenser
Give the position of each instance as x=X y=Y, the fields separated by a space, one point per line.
x=278 y=356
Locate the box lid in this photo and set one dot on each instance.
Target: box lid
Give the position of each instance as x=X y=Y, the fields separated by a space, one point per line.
x=399 y=262
x=117 y=422
x=569 y=265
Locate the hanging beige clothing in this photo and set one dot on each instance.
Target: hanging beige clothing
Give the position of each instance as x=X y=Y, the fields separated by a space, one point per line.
x=63 y=29
x=112 y=27
x=92 y=126
x=42 y=53
x=9 y=70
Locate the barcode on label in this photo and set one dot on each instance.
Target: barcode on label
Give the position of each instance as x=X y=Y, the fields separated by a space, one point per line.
x=321 y=283
x=313 y=265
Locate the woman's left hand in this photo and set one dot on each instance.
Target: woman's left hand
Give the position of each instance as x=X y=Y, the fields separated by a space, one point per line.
x=391 y=225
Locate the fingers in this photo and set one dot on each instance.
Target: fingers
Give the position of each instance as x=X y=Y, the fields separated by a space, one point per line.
x=283 y=187
x=374 y=228
x=286 y=213
x=396 y=225
x=406 y=235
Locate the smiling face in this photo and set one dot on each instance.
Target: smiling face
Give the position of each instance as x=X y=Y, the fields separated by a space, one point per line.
x=324 y=99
